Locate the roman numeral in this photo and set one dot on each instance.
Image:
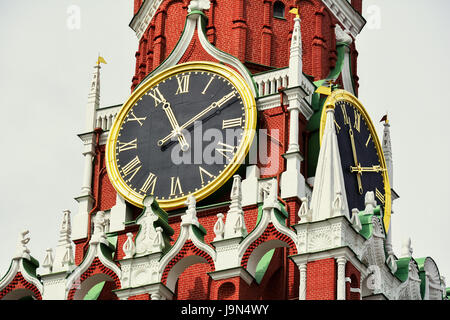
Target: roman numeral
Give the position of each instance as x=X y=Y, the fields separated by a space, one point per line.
x=134 y=118
x=226 y=149
x=124 y=146
x=150 y=182
x=174 y=186
x=344 y=112
x=231 y=123
x=368 y=140
x=207 y=86
x=357 y=124
x=203 y=171
x=380 y=196
x=183 y=84
x=157 y=96
x=132 y=168
x=338 y=127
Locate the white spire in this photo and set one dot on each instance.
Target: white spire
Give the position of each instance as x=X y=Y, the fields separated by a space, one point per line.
x=329 y=197
x=387 y=150
x=295 y=59
x=63 y=253
x=93 y=100
x=235 y=224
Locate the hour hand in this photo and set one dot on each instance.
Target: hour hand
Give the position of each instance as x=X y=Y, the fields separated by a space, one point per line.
x=177 y=131
x=367 y=169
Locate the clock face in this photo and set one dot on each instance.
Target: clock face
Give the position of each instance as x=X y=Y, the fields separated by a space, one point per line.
x=184 y=132
x=362 y=158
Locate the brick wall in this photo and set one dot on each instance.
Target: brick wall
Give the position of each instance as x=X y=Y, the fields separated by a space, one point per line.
x=321 y=280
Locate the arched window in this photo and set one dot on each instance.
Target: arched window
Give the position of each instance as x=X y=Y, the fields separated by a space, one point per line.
x=278 y=9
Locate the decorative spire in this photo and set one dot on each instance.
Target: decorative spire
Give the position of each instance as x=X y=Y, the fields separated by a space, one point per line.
x=370 y=202
x=235 y=224
x=93 y=97
x=296 y=54
x=387 y=149
x=63 y=255
x=219 y=228
x=407 y=248
x=329 y=196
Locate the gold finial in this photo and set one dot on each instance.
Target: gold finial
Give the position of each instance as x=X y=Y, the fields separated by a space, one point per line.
x=295 y=11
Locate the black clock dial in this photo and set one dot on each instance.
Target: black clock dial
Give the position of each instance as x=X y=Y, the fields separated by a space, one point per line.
x=361 y=165
x=180 y=135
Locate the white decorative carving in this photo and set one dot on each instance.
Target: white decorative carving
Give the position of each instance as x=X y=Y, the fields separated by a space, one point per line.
x=235 y=223
x=22 y=249
x=343 y=36
x=190 y=217
x=370 y=202
x=219 y=227
x=406 y=248
x=100 y=223
x=304 y=213
x=200 y=5
x=129 y=248
x=48 y=260
x=355 y=220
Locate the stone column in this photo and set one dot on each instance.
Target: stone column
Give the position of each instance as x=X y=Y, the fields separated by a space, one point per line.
x=302 y=288
x=341 y=262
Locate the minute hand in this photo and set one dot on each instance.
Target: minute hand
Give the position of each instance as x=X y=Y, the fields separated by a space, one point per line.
x=212 y=106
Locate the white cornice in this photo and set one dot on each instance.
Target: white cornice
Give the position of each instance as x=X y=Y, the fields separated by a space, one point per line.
x=141 y=20
x=347 y=15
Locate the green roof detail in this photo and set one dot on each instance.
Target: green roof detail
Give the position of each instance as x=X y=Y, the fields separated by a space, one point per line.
x=403 y=268
x=263 y=265
x=95 y=291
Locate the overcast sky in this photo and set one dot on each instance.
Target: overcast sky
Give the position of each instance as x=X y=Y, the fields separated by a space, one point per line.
x=46 y=65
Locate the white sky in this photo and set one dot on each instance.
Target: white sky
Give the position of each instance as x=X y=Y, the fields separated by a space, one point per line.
x=46 y=69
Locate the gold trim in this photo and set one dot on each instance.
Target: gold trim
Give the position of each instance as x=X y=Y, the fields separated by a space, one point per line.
x=342 y=95
x=239 y=158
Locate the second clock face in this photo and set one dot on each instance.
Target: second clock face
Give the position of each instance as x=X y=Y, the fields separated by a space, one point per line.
x=360 y=160
x=180 y=135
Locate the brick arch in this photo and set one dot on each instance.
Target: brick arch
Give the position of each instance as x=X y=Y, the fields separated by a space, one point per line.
x=20 y=283
x=271 y=238
x=98 y=270
x=188 y=255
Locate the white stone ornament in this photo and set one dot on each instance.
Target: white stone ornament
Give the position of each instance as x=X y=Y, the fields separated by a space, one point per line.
x=338 y=205
x=22 y=249
x=48 y=260
x=370 y=202
x=100 y=223
x=355 y=220
x=68 y=256
x=158 y=244
x=304 y=213
x=406 y=248
x=219 y=228
x=147 y=234
x=199 y=5
x=129 y=248
x=190 y=217
x=270 y=195
x=343 y=36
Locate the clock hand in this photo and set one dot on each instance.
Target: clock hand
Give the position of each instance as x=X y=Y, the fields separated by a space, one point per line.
x=177 y=131
x=367 y=169
x=355 y=158
x=212 y=106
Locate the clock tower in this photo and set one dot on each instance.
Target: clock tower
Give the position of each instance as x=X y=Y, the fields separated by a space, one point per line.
x=243 y=166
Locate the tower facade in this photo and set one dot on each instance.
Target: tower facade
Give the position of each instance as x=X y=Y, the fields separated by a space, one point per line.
x=289 y=214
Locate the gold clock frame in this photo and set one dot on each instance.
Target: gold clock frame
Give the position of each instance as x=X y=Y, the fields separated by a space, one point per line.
x=342 y=95
x=249 y=132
